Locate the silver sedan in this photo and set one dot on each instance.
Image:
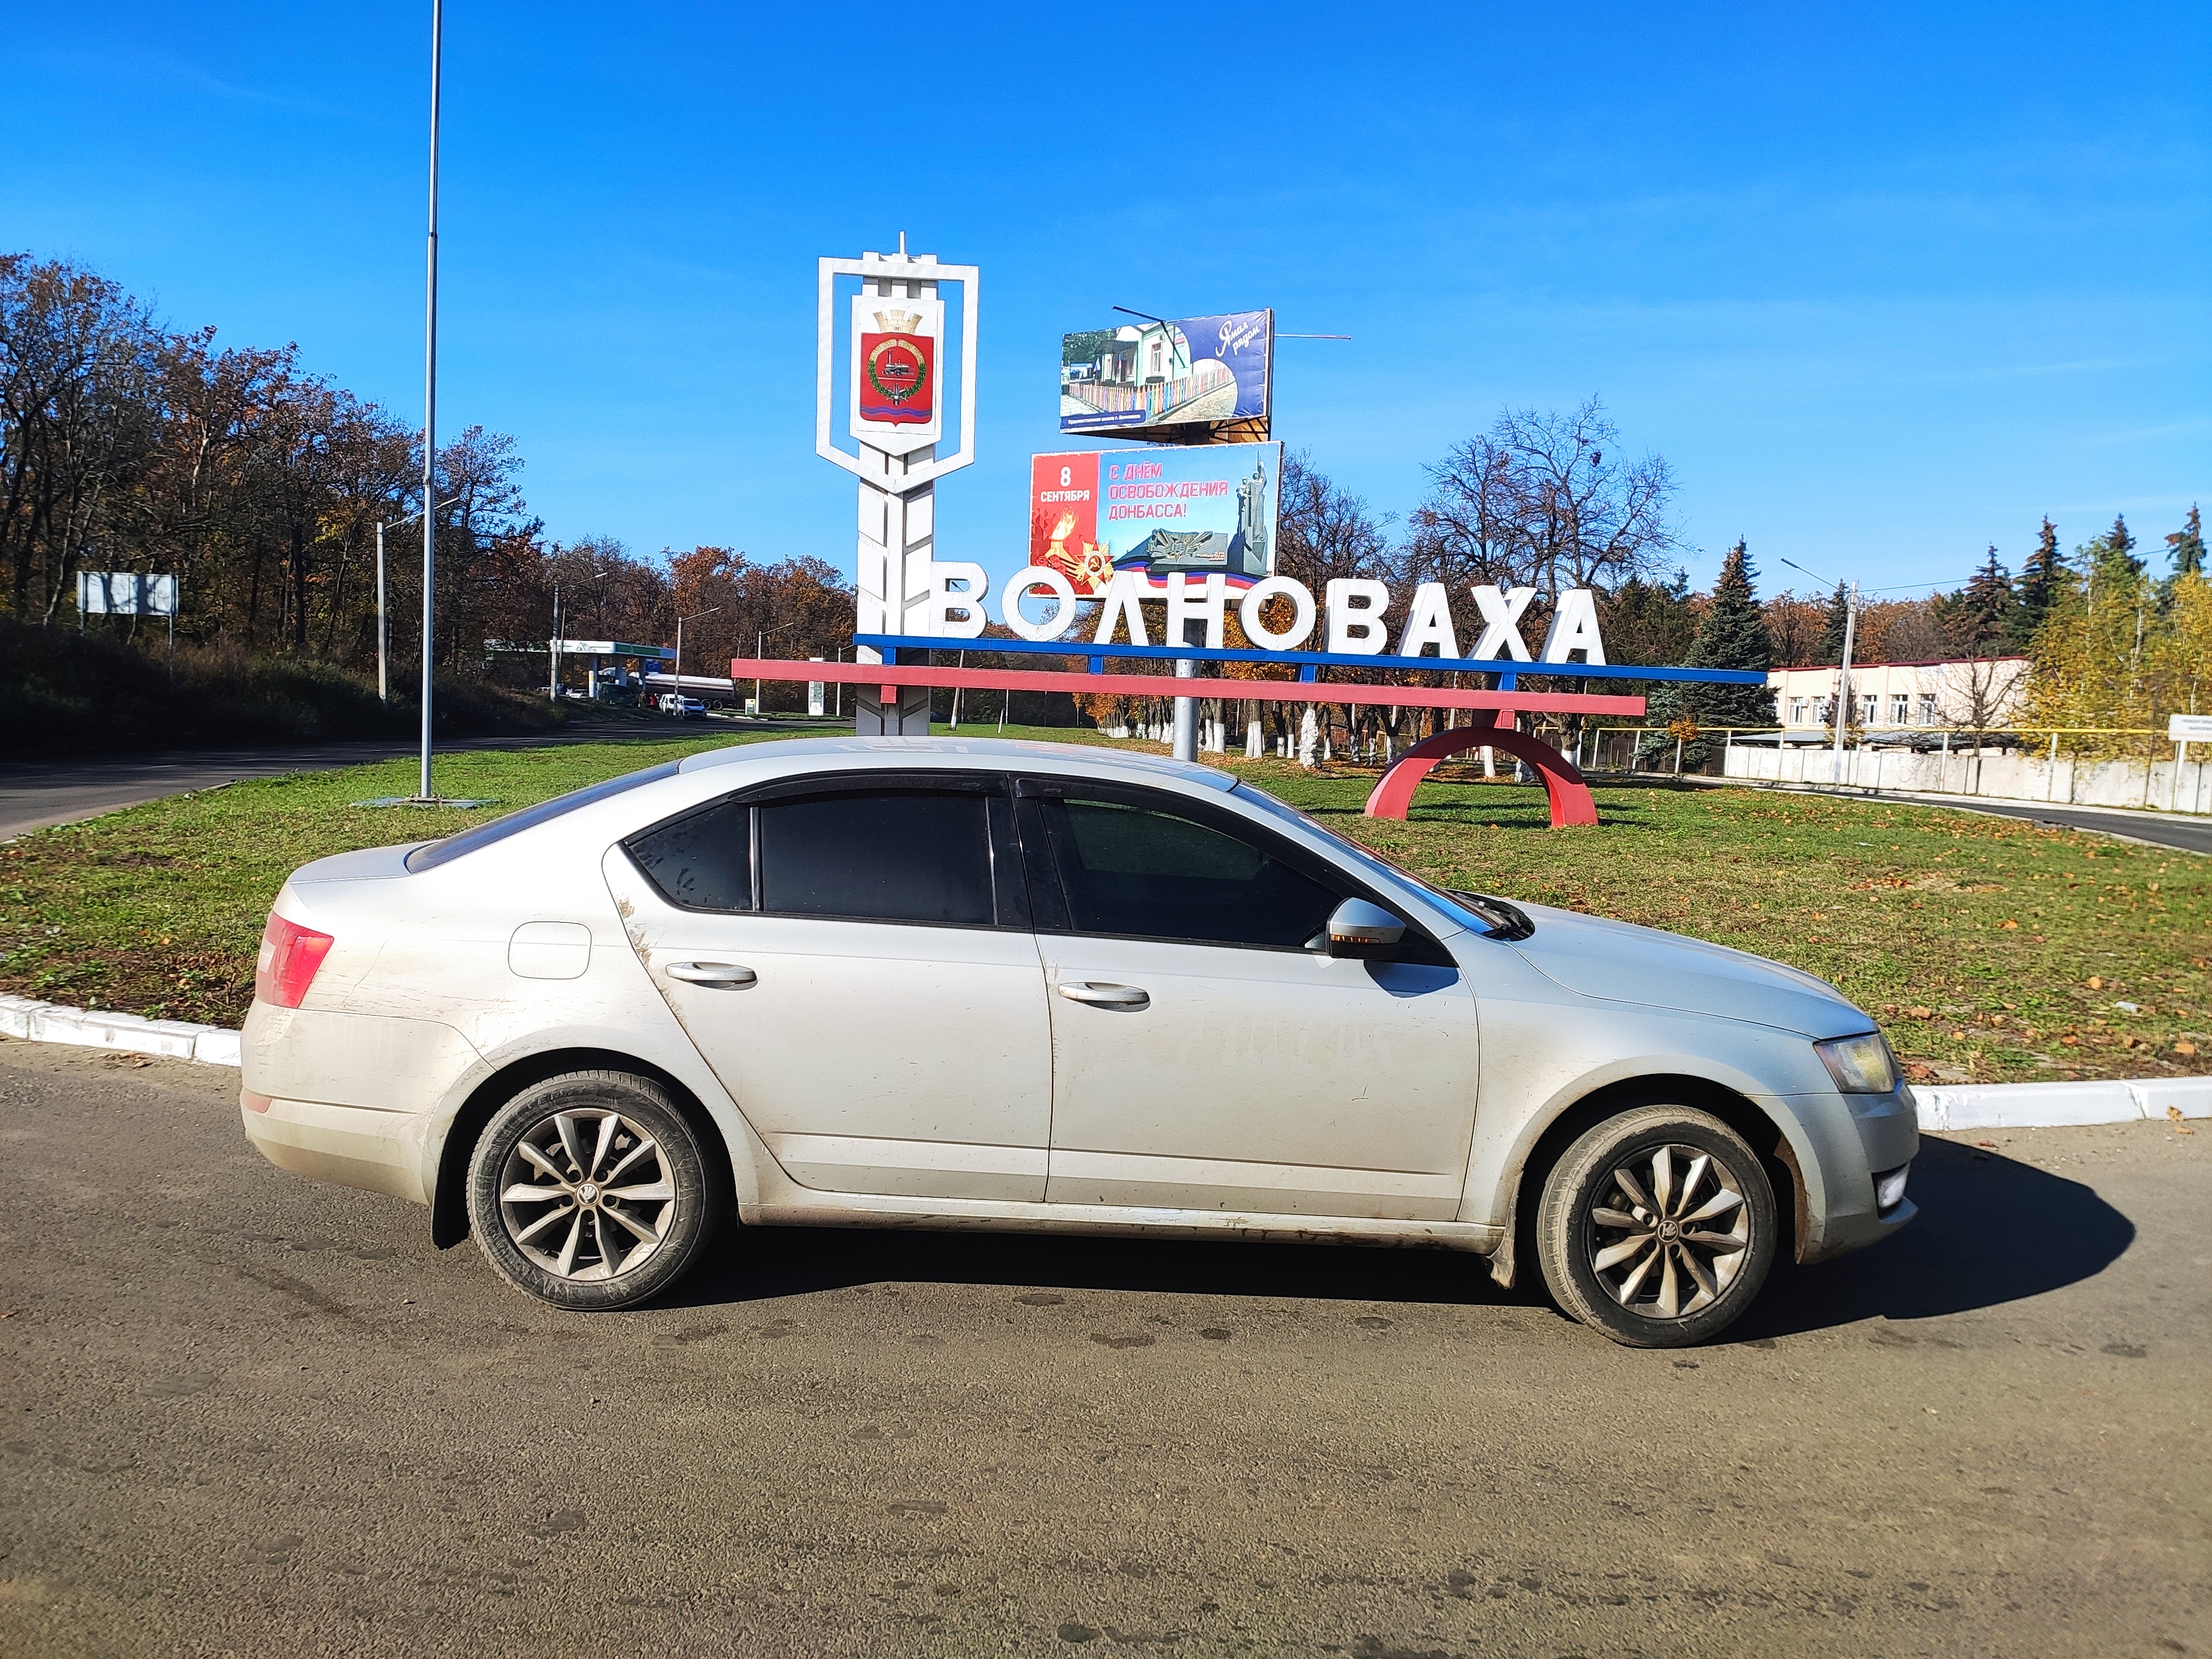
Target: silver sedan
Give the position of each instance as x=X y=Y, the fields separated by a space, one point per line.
x=872 y=981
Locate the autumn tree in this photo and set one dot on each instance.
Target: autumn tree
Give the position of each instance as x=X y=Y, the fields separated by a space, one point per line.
x=2108 y=659
x=1795 y=623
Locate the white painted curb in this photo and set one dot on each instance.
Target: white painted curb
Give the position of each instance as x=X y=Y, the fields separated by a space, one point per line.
x=48 y=1021
x=2051 y=1105
x=1972 y=1106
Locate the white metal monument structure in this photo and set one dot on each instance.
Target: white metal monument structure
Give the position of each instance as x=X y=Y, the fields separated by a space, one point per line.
x=893 y=333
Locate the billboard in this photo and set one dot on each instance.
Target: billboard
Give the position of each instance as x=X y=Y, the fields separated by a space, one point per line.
x=125 y=594
x=1191 y=373
x=1206 y=511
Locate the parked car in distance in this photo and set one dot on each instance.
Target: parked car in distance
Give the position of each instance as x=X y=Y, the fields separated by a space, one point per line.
x=917 y=982
x=688 y=708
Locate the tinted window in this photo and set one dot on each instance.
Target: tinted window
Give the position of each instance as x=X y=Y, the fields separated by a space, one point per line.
x=1140 y=870
x=704 y=862
x=899 y=856
x=453 y=846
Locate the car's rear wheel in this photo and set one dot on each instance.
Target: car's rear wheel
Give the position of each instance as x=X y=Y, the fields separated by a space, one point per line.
x=591 y=1191
x=1657 y=1227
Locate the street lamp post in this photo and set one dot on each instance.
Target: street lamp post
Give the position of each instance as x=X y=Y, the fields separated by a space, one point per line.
x=430 y=402
x=383 y=524
x=680 y=620
x=1844 y=677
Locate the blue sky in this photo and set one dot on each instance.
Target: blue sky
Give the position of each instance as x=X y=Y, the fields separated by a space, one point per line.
x=1884 y=285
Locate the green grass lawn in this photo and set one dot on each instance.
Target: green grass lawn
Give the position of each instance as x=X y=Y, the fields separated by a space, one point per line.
x=1991 y=949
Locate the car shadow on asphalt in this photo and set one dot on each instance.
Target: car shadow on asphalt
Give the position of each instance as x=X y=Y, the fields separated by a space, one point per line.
x=1990 y=1231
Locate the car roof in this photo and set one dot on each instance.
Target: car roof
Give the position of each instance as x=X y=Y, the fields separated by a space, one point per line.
x=979 y=754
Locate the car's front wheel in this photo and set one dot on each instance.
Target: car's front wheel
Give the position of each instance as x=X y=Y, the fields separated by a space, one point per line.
x=591 y=1191
x=1657 y=1227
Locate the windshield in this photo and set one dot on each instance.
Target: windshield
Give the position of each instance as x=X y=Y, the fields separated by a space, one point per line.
x=1479 y=912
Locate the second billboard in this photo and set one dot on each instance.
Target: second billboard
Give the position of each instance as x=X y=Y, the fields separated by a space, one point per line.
x=1193 y=373
x=1207 y=511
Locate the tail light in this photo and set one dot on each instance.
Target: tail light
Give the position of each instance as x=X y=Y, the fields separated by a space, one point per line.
x=290 y=954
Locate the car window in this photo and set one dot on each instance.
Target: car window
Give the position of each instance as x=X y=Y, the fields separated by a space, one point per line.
x=703 y=860
x=436 y=853
x=1154 y=872
x=903 y=855
x=1478 y=912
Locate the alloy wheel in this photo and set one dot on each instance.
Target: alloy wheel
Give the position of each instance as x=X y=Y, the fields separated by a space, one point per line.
x=586 y=1196
x=1668 y=1230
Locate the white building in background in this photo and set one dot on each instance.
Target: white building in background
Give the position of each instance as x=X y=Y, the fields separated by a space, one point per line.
x=1900 y=696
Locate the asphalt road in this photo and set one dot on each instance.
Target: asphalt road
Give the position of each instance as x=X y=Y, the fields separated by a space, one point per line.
x=252 y=1416
x=2191 y=834
x=35 y=794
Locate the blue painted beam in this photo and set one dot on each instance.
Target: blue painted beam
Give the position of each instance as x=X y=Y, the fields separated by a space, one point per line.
x=1310 y=659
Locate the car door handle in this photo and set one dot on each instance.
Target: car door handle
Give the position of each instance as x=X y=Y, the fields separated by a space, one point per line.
x=728 y=973
x=1107 y=996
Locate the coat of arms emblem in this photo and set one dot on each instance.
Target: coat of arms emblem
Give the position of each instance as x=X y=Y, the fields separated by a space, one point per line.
x=898 y=370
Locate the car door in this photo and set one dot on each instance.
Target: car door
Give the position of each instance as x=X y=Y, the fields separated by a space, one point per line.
x=1205 y=1057
x=851 y=955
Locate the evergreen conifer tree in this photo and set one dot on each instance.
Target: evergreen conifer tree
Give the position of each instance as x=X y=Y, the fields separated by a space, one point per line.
x=1733 y=634
x=1978 y=619
x=2188 y=545
x=1831 y=631
x=2043 y=578
x=2112 y=555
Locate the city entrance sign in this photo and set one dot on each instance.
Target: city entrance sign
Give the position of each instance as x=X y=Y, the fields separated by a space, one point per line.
x=1206 y=541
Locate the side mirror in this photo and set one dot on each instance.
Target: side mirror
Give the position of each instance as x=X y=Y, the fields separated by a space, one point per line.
x=1356 y=928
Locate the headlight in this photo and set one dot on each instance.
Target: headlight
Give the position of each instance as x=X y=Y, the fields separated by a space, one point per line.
x=1860 y=1064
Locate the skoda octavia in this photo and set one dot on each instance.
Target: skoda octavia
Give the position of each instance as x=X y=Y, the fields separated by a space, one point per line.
x=868 y=981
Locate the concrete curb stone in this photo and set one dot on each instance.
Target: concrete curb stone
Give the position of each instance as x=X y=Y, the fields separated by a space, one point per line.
x=1972 y=1106
x=2050 y=1105
x=32 y=1021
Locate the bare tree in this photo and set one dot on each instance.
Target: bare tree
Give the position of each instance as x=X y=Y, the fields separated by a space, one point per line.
x=1544 y=501
x=1323 y=531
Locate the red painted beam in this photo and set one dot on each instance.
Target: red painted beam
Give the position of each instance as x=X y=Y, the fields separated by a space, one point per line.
x=1564 y=786
x=1161 y=685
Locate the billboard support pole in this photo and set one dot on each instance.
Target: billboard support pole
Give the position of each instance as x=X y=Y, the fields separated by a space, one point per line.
x=1186 y=713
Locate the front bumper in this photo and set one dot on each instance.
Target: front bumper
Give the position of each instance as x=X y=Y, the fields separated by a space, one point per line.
x=1854 y=1137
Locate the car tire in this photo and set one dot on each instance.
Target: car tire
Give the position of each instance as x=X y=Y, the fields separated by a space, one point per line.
x=1656 y=1227
x=629 y=1201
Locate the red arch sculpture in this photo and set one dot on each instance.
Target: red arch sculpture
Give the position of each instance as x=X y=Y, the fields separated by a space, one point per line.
x=1570 y=797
